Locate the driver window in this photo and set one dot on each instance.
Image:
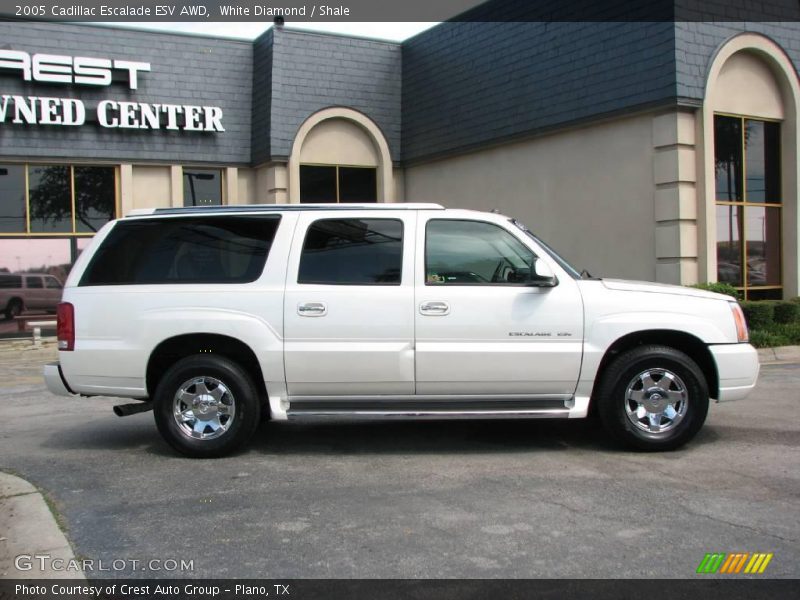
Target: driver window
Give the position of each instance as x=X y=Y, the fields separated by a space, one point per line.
x=474 y=253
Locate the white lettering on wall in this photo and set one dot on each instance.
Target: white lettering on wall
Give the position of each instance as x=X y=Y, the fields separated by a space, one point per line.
x=82 y=70
x=110 y=114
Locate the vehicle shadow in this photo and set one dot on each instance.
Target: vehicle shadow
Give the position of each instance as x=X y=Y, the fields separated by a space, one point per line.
x=138 y=433
x=428 y=437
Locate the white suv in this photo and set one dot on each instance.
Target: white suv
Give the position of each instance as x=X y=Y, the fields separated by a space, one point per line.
x=217 y=316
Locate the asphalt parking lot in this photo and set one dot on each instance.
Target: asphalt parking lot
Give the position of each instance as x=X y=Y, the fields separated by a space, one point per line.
x=417 y=500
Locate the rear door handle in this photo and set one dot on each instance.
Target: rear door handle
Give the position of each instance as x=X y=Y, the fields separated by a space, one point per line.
x=434 y=308
x=312 y=309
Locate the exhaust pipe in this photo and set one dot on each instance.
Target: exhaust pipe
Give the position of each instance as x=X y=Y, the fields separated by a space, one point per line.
x=125 y=410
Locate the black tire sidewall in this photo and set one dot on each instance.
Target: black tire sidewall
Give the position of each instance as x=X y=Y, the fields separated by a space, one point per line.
x=611 y=401
x=12 y=304
x=248 y=406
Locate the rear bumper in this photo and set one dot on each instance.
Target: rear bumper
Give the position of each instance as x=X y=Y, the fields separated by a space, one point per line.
x=55 y=381
x=737 y=368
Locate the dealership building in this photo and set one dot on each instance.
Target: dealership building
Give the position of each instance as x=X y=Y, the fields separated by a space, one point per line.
x=659 y=150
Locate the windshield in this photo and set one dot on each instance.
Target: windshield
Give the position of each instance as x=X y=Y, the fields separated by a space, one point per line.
x=552 y=253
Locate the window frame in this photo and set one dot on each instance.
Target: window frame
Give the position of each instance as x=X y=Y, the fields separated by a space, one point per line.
x=399 y=283
x=61 y=234
x=470 y=284
x=745 y=204
x=338 y=179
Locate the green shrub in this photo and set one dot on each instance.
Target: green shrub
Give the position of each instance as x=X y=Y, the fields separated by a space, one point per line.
x=719 y=288
x=761 y=338
x=759 y=315
x=796 y=300
x=788 y=331
x=785 y=311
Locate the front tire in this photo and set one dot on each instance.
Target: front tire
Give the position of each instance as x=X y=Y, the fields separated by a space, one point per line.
x=206 y=406
x=653 y=398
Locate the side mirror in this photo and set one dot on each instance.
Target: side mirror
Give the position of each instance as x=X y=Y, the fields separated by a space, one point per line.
x=542 y=275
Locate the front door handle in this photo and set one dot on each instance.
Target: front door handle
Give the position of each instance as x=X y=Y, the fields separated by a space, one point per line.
x=434 y=308
x=312 y=309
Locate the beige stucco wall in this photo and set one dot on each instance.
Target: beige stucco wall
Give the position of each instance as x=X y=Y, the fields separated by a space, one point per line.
x=588 y=192
x=339 y=142
x=747 y=86
x=248 y=192
x=152 y=187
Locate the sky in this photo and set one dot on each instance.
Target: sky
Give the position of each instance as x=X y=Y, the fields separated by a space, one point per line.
x=396 y=32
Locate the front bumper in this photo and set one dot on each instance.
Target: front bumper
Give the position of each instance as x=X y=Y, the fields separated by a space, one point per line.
x=55 y=381
x=737 y=368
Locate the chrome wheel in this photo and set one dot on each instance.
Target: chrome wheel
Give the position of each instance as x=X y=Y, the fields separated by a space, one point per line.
x=204 y=408
x=656 y=400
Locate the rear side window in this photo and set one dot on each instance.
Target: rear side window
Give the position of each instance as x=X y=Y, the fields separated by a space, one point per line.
x=219 y=249
x=34 y=282
x=352 y=252
x=10 y=281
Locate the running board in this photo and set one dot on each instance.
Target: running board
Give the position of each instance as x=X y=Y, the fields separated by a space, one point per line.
x=414 y=408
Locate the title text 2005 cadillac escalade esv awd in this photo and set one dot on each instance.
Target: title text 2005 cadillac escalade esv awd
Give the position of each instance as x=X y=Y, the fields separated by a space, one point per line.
x=218 y=316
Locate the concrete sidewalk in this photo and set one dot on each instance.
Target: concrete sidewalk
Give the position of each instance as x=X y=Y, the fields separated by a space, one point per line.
x=29 y=530
x=781 y=354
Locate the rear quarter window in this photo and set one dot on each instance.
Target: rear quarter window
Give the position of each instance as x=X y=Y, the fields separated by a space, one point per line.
x=216 y=249
x=10 y=281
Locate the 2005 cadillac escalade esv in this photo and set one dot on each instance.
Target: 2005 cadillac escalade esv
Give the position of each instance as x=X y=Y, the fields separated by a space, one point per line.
x=217 y=316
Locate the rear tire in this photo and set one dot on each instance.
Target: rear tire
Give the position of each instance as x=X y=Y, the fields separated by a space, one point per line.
x=653 y=398
x=13 y=308
x=206 y=406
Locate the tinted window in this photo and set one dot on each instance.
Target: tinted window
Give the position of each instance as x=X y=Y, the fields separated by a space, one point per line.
x=353 y=252
x=229 y=249
x=50 y=196
x=10 y=281
x=202 y=187
x=95 y=198
x=33 y=282
x=357 y=184
x=52 y=283
x=474 y=253
x=317 y=184
x=12 y=199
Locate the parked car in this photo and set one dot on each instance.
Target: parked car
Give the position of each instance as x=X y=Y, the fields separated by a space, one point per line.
x=23 y=291
x=215 y=316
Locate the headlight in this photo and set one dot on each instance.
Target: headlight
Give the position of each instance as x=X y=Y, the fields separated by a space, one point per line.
x=741 y=325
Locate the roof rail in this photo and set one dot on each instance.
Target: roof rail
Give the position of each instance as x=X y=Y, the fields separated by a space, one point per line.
x=251 y=208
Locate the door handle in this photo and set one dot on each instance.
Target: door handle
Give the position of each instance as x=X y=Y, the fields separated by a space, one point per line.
x=434 y=308
x=312 y=309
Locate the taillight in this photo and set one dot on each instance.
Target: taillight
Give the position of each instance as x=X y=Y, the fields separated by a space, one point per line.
x=741 y=325
x=65 y=329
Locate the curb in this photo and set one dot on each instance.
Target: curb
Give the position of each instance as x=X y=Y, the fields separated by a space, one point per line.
x=28 y=528
x=781 y=354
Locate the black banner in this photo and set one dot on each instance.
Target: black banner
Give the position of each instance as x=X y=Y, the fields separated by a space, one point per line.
x=401 y=589
x=405 y=10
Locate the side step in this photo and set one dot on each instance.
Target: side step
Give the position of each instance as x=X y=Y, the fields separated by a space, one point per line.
x=313 y=409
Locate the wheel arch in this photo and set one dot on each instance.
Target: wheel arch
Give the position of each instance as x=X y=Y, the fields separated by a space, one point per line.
x=175 y=348
x=684 y=342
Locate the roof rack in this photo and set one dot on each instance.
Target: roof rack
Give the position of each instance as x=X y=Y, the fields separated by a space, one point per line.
x=251 y=208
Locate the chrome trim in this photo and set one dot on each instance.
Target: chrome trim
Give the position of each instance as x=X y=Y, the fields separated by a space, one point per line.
x=546 y=413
